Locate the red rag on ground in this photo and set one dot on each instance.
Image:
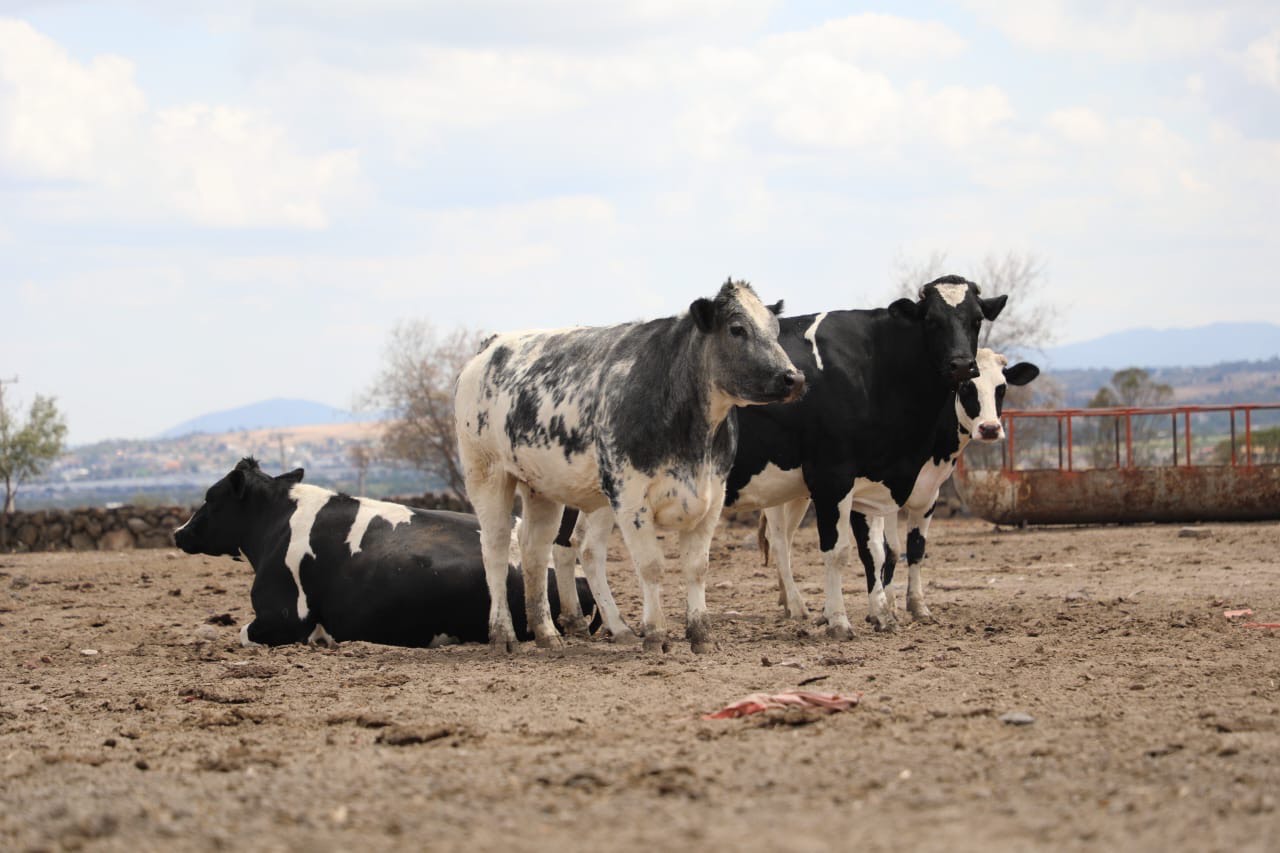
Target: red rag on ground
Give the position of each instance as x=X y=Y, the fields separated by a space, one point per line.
x=757 y=702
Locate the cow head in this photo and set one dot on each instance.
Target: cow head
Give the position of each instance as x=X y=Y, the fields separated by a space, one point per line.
x=979 y=401
x=746 y=361
x=951 y=312
x=219 y=526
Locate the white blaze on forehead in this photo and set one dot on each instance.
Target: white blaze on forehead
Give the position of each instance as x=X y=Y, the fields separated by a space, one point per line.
x=952 y=294
x=395 y=514
x=812 y=337
x=754 y=308
x=309 y=500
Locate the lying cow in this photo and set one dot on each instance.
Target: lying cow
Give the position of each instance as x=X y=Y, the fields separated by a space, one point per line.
x=975 y=415
x=638 y=418
x=331 y=567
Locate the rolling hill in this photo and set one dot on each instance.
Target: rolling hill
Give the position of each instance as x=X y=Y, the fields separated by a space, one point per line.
x=1199 y=346
x=266 y=414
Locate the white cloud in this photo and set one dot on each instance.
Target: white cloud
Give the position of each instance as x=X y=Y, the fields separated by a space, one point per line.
x=873 y=39
x=1261 y=60
x=89 y=124
x=1079 y=125
x=1117 y=29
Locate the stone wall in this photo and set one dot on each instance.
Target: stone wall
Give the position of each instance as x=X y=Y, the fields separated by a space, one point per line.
x=122 y=528
x=91 y=529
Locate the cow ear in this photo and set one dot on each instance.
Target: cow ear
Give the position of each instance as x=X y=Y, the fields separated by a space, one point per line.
x=904 y=309
x=776 y=308
x=992 y=307
x=236 y=480
x=703 y=312
x=1021 y=373
x=294 y=476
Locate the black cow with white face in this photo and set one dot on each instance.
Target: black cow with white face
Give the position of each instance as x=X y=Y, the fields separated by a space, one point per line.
x=636 y=418
x=975 y=416
x=330 y=567
x=879 y=381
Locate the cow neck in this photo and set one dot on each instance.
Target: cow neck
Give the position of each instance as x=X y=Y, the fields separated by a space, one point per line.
x=682 y=410
x=949 y=439
x=270 y=510
x=923 y=424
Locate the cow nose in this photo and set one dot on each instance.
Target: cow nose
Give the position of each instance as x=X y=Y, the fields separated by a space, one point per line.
x=964 y=367
x=793 y=383
x=989 y=431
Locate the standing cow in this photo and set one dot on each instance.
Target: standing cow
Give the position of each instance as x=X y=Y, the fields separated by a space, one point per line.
x=975 y=415
x=331 y=567
x=878 y=382
x=637 y=417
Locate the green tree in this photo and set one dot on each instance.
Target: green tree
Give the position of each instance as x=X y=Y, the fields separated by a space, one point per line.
x=26 y=449
x=1132 y=387
x=415 y=389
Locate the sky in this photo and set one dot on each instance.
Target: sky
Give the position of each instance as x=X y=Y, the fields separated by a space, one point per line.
x=204 y=205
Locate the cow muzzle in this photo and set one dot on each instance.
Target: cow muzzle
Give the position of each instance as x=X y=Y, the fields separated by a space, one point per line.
x=990 y=431
x=962 y=368
x=792 y=385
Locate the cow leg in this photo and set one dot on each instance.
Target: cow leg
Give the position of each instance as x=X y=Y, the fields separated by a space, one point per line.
x=592 y=532
x=783 y=521
x=541 y=520
x=917 y=535
x=870 y=537
x=571 y=620
x=834 y=538
x=890 y=545
x=695 y=556
x=492 y=498
x=641 y=538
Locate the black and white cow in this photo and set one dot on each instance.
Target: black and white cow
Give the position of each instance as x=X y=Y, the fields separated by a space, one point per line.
x=975 y=415
x=331 y=567
x=879 y=380
x=638 y=418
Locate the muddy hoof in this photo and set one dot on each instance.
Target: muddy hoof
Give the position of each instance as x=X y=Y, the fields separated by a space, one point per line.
x=575 y=626
x=502 y=648
x=800 y=615
x=625 y=637
x=552 y=642
x=655 y=642
x=922 y=614
x=700 y=647
x=840 y=632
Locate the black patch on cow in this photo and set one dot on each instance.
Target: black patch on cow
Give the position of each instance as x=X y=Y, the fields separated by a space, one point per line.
x=482 y=422
x=930 y=510
x=1000 y=389
x=573 y=441
x=564 y=536
x=915 y=546
x=968 y=397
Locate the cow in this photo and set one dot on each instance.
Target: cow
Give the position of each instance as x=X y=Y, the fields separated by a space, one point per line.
x=878 y=381
x=975 y=415
x=639 y=418
x=329 y=567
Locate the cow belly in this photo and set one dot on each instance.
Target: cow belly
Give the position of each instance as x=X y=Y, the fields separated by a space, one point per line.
x=678 y=503
x=771 y=487
x=574 y=481
x=871 y=497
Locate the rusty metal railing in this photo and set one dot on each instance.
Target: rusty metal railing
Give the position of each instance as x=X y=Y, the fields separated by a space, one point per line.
x=1122 y=440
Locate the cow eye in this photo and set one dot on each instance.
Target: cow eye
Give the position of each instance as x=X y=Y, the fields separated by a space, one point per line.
x=738 y=330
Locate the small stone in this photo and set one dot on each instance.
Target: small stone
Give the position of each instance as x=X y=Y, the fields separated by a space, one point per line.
x=1017 y=718
x=206 y=633
x=724 y=585
x=1194 y=533
x=88 y=652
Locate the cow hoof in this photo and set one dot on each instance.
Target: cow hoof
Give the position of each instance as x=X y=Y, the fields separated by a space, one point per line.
x=700 y=647
x=800 y=614
x=884 y=624
x=655 y=642
x=502 y=648
x=837 y=631
x=625 y=637
x=574 y=627
x=552 y=642
x=920 y=613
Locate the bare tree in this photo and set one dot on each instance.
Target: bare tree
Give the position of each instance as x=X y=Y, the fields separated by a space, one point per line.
x=1132 y=387
x=26 y=449
x=415 y=389
x=1027 y=322
x=360 y=454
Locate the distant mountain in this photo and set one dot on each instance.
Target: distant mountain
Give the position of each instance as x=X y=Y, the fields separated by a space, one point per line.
x=1199 y=346
x=267 y=414
x=1211 y=385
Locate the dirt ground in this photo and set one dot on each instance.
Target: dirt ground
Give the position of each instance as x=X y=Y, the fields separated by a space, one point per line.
x=129 y=722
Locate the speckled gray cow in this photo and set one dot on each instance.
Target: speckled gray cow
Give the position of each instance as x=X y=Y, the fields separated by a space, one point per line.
x=637 y=417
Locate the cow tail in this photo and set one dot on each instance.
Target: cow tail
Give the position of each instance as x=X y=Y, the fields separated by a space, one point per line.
x=762 y=537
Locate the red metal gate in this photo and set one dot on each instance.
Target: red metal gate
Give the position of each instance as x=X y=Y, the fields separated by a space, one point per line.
x=1174 y=463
